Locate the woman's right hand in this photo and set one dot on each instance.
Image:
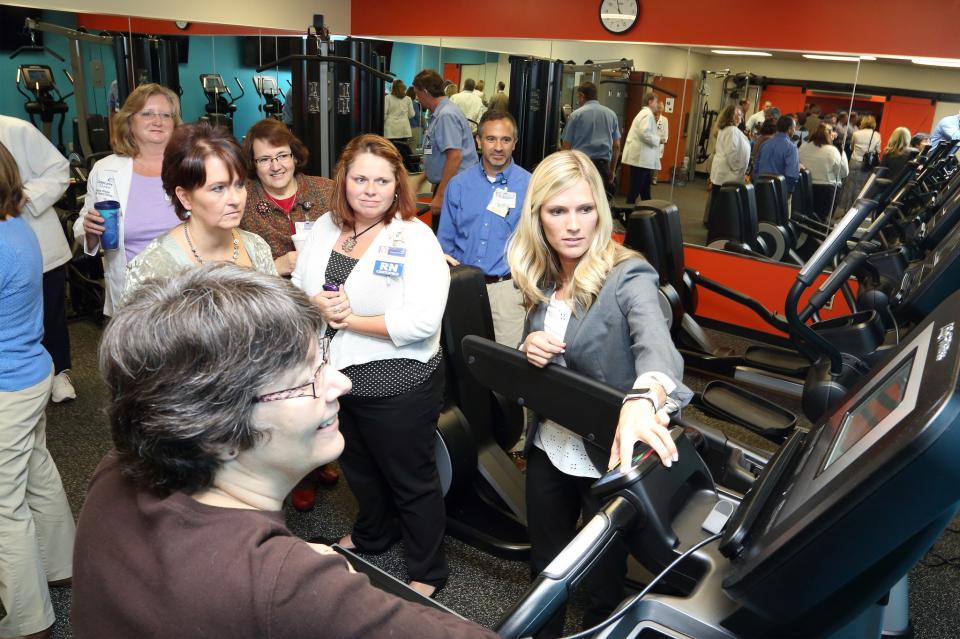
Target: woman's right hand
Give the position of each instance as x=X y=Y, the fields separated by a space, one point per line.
x=334 y=307
x=92 y=227
x=286 y=263
x=541 y=347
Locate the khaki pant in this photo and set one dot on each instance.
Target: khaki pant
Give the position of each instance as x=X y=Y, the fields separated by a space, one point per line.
x=506 y=306
x=36 y=525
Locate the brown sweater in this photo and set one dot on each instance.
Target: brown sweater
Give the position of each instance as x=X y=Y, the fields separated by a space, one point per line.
x=147 y=566
x=263 y=217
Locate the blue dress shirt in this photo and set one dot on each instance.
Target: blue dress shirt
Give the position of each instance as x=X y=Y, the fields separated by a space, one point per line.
x=448 y=129
x=947 y=129
x=592 y=129
x=469 y=232
x=779 y=156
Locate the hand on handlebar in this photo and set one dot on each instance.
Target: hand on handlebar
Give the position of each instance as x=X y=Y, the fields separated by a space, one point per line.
x=638 y=422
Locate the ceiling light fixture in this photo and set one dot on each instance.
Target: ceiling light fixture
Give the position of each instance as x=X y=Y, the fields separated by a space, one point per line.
x=759 y=54
x=832 y=58
x=937 y=62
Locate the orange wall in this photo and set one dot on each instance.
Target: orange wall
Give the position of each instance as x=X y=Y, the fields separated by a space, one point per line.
x=886 y=26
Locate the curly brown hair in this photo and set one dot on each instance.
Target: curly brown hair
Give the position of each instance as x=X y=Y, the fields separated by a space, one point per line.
x=275 y=133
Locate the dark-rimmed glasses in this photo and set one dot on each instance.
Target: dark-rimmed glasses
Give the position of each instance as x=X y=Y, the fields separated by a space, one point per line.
x=311 y=388
x=266 y=160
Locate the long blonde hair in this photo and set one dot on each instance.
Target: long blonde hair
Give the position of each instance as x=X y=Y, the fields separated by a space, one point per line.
x=534 y=264
x=898 y=142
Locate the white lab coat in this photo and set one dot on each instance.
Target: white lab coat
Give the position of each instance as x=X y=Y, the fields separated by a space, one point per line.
x=109 y=179
x=663 y=127
x=642 y=148
x=45 y=174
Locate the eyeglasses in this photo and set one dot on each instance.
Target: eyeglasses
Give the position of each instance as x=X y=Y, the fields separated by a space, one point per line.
x=150 y=115
x=266 y=160
x=311 y=388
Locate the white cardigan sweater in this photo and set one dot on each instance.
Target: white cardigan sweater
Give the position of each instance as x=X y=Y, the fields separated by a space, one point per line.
x=412 y=303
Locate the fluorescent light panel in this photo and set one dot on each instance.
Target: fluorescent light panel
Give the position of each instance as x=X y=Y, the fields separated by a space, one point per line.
x=759 y=54
x=937 y=62
x=838 y=58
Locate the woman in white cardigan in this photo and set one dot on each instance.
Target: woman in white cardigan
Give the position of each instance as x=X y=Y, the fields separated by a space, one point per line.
x=389 y=284
x=139 y=135
x=824 y=161
x=731 y=155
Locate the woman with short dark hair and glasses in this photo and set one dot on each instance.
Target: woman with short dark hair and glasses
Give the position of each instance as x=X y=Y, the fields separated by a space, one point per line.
x=220 y=399
x=281 y=199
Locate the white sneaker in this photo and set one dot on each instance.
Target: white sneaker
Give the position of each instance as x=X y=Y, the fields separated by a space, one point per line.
x=62 y=388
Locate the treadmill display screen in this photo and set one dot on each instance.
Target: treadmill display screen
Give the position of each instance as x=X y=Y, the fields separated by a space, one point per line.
x=871 y=410
x=38 y=75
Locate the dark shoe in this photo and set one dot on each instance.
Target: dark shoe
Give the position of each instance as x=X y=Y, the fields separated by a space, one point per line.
x=327 y=475
x=304 y=496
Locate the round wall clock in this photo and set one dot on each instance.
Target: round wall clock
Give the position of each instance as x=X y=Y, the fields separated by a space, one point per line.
x=619 y=16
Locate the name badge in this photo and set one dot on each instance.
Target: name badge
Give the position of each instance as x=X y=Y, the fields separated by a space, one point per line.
x=303 y=227
x=428 y=149
x=393 y=251
x=106 y=189
x=389 y=269
x=502 y=201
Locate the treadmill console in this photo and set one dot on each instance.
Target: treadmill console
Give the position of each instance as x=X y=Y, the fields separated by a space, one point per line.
x=857 y=500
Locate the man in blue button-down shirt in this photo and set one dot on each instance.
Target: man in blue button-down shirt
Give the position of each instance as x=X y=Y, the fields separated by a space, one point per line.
x=779 y=154
x=947 y=129
x=480 y=212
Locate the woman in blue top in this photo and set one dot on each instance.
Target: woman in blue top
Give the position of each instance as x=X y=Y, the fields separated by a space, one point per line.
x=34 y=512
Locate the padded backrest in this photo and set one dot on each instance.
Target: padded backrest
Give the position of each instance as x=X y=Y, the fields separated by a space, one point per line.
x=643 y=235
x=468 y=313
x=668 y=241
x=725 y=213
x=802 y=202
x=772 y=199
x=825 y=198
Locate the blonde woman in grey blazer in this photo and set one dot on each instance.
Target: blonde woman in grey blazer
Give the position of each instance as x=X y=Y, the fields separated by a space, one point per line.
x=592 y=308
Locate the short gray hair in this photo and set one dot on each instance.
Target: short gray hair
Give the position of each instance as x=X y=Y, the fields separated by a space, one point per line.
x=184 y=360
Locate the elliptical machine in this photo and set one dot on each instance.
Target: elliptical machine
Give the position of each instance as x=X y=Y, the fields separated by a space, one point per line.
x=46 y=102
x=267 y=88
x=220 y=105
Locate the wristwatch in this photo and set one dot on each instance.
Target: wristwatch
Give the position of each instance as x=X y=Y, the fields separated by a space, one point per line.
x=644 y=393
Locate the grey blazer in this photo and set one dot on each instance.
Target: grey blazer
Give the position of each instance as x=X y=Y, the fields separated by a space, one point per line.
x=620 y=337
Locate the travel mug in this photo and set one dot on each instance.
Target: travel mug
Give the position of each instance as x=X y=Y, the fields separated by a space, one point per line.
x=109 y=210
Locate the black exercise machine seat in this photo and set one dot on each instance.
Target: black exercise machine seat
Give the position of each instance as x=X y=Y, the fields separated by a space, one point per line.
x=484 y=489
x=836 y=519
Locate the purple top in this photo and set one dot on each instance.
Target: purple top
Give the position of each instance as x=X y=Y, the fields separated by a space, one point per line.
x=149 y=214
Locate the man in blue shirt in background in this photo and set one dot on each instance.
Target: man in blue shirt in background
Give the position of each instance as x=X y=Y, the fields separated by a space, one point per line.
x=779 y=155
x=480 y=212
x=448 y=147
x=595 y=130
x=947 y=128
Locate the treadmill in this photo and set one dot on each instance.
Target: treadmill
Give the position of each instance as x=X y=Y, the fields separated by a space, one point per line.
x=819 y=546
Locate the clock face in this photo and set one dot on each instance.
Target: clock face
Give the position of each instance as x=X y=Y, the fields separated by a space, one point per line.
x=618 y=16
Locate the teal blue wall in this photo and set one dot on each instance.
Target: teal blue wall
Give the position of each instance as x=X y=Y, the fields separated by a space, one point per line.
x=407 y=60
x=223 y=54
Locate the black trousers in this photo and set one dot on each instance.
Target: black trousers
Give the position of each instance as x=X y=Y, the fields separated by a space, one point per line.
x=390 y=465
x=555 y=502
x=640 y=179
x=56 y=337
x=603 y=167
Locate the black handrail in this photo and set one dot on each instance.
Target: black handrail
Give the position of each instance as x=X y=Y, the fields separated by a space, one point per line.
x=339 y=59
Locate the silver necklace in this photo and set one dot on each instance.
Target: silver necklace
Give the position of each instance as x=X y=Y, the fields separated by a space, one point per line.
x=350 y=243
x=236 y=245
